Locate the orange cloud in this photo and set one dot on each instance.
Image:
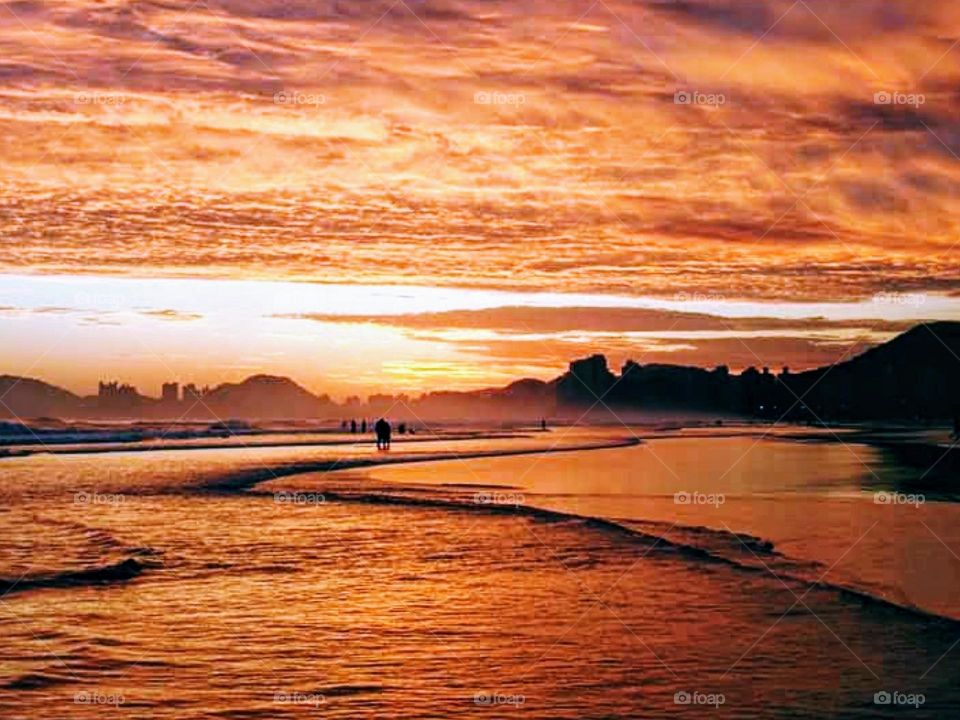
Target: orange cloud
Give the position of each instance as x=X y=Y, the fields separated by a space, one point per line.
x=496 y=144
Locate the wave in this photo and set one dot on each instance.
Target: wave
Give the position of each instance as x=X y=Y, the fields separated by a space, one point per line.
x=36 y=681
x=758 y=554
x=117 y=572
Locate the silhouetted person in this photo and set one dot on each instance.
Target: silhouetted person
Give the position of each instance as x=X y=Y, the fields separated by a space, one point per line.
x=382 y=429
x=543 y=424
x=353 y=427
x=402 y=428
x=363 y=426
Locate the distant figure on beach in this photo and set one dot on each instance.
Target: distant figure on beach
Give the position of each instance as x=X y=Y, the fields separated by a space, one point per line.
x=353 y=427
x=402 y=428
x=543 y=424
x=383 y=434
x=363 y=426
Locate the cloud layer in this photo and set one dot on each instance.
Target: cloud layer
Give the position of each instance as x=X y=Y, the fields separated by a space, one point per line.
x=521 y=145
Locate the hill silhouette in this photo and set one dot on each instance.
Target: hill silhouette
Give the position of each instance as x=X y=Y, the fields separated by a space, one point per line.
x=27 y=397
x=265 y=396
x=914 y=376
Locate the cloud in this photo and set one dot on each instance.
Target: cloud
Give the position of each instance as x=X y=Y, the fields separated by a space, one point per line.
x=542 y=341
x=171 y=315
x=547 y=358
x=604 y=320
x=488 y=144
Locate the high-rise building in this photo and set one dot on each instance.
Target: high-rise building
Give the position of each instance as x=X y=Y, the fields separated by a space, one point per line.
x=170 y=392
x=114 y=389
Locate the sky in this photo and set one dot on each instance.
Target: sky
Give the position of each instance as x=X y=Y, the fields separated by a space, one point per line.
x=413 y=194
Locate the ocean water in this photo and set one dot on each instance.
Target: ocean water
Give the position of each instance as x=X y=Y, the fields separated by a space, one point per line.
x=708 y=574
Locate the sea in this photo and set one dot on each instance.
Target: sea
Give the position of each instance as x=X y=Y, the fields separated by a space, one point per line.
x=579 y=572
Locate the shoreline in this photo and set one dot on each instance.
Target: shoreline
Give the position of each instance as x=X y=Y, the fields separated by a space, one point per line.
x=247 y=480
x=108 y=447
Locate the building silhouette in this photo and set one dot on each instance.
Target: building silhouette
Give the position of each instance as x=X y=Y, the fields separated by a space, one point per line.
x=113 y=389
x=170 y=392
x=114 y=397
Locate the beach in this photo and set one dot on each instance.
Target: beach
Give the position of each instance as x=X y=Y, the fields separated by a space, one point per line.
x=577 y=573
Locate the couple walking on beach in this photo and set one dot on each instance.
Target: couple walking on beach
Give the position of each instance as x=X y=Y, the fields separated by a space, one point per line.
x=383 y=430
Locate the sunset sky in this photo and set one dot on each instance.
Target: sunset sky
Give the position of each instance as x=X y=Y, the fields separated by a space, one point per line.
x=405 y=195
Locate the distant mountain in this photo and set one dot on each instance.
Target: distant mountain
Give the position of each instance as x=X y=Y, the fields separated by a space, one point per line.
x=914 y=376
x=265 y=396
x=656 y=388
x=29 y=398
x=522 y=399
x=259 y=396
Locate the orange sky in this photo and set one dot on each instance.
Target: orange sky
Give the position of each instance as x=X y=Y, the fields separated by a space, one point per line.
x=516 y=146
x=357 y=339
